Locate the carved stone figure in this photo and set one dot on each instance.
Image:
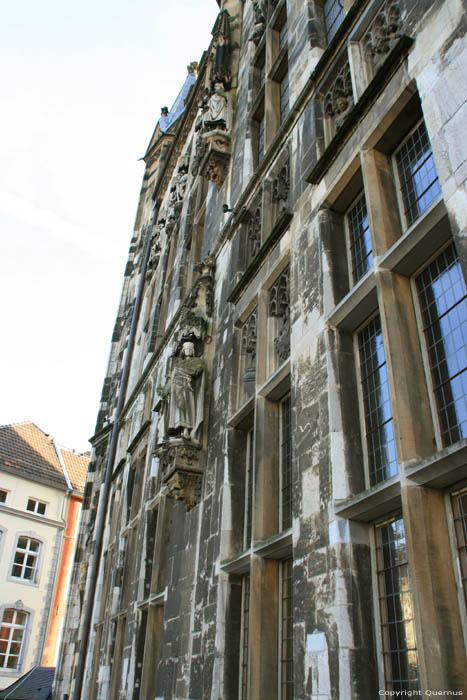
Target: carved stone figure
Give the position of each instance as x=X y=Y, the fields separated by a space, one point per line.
x=218 y=113
x=260 y=21
x=185 y=394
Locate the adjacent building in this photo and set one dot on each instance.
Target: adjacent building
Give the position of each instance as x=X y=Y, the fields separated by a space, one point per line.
x=41 y=492
x=276 y=505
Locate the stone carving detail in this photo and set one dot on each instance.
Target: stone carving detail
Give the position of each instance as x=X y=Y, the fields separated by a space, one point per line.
x=260 y=10
x=177 y=195
x=248 y=348
x=202 y=292
x=281 y=187
x=253 y=234
x=217 y=112
x=382 y=33
x=339 y=98
x=155 y=254
x=279 y=307
x=186 y=487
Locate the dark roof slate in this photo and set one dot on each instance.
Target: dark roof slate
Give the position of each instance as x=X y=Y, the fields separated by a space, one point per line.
x=36 y=684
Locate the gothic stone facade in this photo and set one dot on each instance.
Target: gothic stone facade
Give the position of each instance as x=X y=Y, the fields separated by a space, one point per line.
x=287 y=504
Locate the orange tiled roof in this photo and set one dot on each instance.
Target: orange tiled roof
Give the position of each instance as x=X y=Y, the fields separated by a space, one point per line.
x=28 y=452
x=77 y=468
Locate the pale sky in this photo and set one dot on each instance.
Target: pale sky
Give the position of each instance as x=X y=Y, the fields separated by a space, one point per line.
x=81 y=88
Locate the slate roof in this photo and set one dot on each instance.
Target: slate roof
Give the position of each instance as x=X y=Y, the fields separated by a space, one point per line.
x=29 y=452
x=178 y=106
x=36 y=684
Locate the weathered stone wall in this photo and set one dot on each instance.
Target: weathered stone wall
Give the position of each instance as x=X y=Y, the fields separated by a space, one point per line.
x=169 y=610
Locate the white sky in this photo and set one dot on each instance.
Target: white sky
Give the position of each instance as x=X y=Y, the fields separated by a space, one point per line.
x=81 y=88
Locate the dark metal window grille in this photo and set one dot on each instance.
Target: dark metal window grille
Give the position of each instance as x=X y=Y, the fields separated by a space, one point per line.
x=286 y=463
x=249 y=488
x=459 y=506
x=284 y=97
x=11 y=637
x=245 y=637
x=360 y=241
x=417 y=173
x=26 y=559
x=333 y=16
x=396 y=608
x=443 y=299
x=381 y=445
x=286 y=654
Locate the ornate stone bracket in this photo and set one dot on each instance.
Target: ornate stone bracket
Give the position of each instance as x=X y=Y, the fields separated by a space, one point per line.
x=216 y=160
x=186 y=487
x=253 y=234
x=180 y=470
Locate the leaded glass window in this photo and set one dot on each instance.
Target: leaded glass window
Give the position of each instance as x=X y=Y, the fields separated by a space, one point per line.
x=396 y=608
x=245 y=637
x=286 y=463
x=379 y=427
x=284 y=97
x=443 y=300
x=360 y=242
x=286 y=637
x=333 y=16
x=459 y=506
x=418 y=178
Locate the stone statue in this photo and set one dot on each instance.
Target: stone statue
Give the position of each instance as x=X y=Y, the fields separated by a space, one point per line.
x=184 y=394
x=218 y=112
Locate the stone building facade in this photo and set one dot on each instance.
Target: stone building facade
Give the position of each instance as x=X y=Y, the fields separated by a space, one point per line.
x=277 y=501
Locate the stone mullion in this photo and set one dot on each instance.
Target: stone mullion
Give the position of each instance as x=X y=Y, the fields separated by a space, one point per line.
x=381 y=200
x=441 y=651
x=266 y=488
x=159 y=572
x=263 y=629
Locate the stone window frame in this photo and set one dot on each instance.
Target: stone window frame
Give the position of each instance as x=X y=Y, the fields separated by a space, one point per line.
x=249 y=489
x=406 y=222
x=285 y=637
x=244 y=637
x=378 y=618
x=285 y=464
x=352 y=265
x=440 y=444
x=369 y=468
x=460 y=568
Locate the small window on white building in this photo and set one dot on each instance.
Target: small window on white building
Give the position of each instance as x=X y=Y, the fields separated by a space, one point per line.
x=26 y=560
x=3 y=495
x=12 y=634
x=37 y=507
